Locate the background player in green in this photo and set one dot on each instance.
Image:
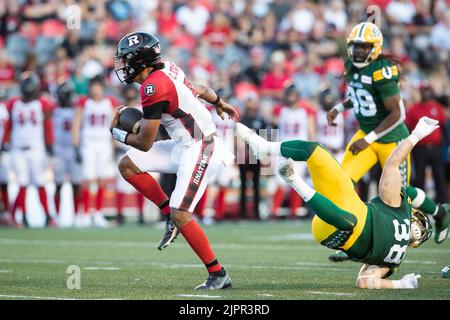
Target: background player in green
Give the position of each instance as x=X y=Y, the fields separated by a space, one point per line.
x=374 y=94
x=377 y=232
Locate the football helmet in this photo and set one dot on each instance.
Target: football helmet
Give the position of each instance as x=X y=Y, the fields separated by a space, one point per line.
x=364 y=35
x=30 y=86
x=64 y=93
x=421 y=229
x=135 y=52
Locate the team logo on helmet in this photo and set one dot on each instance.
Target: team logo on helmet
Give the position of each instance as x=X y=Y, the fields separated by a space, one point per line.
x=149 y=90
x=134 y=40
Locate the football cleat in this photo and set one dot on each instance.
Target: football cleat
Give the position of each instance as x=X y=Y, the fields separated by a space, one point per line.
x=338 y=256
x=216 y=281
x=410 y=281
x=170 y=234
x=442 y=223
x=446 y=272
x=259 y=146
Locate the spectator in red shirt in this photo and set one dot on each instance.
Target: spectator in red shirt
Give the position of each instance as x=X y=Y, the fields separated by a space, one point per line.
x=274 y=82
x=7 y=71
x=167 y=20
x=428 y=151
x=218 y=33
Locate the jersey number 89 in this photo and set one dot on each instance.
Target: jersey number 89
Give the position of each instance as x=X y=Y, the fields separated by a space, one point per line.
x=362 y=101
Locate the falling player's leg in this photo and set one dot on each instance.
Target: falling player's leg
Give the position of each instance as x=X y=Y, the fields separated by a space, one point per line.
x=328 y=176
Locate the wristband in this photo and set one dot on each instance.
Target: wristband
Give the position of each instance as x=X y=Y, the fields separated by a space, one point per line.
x=371 y=137
x=339 y=107
x=217 y=100
x=413 y=139
x=119 y=135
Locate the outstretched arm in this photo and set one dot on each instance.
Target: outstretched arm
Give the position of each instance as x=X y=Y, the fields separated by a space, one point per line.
x=211 y=96
x=391 y=180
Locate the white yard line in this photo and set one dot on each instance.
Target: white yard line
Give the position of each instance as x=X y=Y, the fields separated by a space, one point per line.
x=136 y=244
x=5 y=271
x=173 y=265
x=265 y=295
x=197 y=296
x=330 y=293
x=102 y=268
x=13 y=296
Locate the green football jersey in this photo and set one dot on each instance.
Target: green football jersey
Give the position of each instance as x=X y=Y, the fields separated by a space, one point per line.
x=390 y=228
x=367 y=88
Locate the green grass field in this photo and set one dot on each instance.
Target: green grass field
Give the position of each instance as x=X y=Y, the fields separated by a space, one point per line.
x=271 y=260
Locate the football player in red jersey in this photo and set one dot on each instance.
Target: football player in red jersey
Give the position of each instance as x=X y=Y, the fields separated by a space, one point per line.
x=29 y=132
x=194 y=151
x=66 y=165
x=94 y=146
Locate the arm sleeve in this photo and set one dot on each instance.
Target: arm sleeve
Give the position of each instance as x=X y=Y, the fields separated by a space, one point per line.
x=47 y=108
x=385 y=81
x=155 y=110
x=158 y=96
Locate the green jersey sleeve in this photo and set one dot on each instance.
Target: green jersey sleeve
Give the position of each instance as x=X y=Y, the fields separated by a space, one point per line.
x=385 y=79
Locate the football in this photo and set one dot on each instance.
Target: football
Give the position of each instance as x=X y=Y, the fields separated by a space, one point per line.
x=130 y=119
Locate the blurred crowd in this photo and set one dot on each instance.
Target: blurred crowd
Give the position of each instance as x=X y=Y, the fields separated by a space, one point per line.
x=256 y=52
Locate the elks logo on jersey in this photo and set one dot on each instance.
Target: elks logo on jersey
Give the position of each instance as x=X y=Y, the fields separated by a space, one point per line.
x=386 y=72
x=149 y=90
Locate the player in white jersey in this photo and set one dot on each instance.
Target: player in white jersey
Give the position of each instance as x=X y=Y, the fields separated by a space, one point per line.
x=4 y=164
x=296 y=121
x=30 y=134
x=331 y=137
x=130 y=95
x=67 y=166
x=90 y=133
x=194 y=152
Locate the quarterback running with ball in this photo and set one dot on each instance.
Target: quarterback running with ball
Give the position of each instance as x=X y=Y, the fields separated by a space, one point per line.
x=377 y=232
x=194 y=152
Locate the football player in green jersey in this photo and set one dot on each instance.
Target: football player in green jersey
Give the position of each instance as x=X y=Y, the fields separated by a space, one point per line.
x=377 y=232
x=374 y=94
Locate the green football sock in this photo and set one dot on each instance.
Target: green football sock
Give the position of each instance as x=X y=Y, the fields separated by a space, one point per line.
x=420 y=200
x=298 y=150
x=332 y=214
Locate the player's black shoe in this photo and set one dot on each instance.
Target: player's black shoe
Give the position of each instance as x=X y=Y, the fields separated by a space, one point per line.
x=141 y=220
x=169 y=236
x=216 y=281
x=338 y=256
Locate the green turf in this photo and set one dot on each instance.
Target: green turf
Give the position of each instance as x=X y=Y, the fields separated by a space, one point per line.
x=273 y=260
